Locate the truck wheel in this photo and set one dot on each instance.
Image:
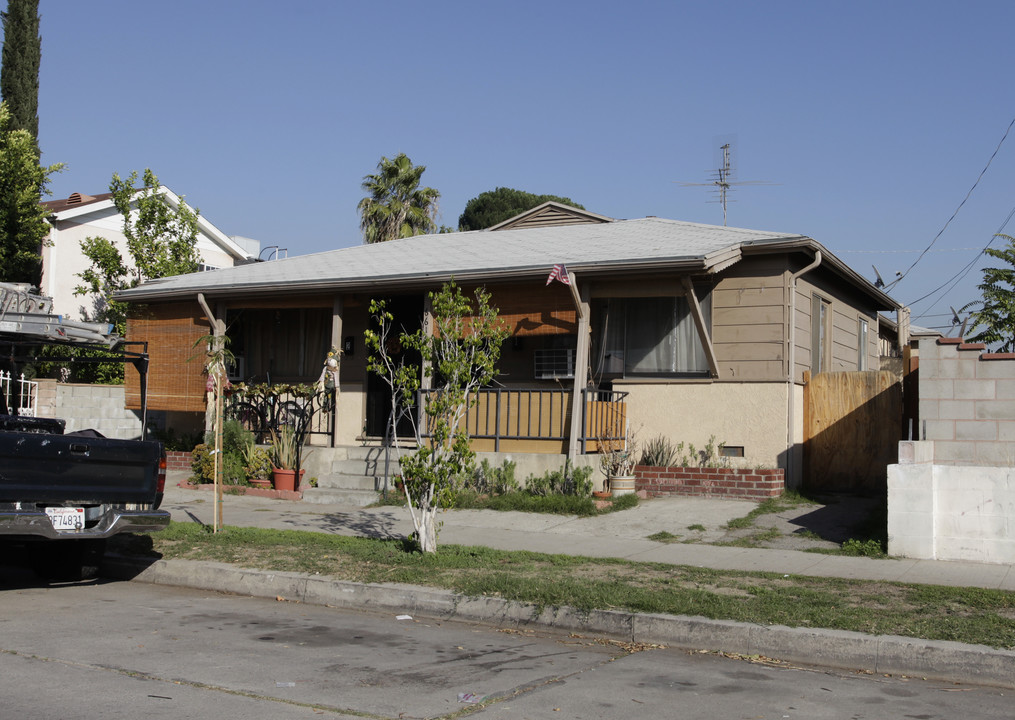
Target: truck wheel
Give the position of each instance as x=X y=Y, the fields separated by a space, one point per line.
x=67 y=560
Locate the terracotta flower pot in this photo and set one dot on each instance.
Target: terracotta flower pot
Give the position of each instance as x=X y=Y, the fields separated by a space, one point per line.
x=284 y=479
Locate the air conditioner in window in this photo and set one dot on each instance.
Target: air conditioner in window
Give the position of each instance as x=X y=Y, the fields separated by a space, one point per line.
x=554 y=363
x=236 y=369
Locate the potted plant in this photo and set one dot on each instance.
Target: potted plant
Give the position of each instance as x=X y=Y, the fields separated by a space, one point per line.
x=617 y=458
x=257 y=465
x=284 y=457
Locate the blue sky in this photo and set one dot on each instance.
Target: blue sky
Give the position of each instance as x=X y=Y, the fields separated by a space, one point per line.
x=871 y=120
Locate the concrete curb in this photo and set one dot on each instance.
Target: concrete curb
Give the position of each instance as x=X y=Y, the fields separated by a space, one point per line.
x=880 y=654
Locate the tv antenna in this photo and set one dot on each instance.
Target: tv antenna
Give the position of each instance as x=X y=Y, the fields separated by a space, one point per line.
x=722 y=180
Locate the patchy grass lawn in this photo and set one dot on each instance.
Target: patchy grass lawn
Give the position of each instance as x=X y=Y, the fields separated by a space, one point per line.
x=931 y=612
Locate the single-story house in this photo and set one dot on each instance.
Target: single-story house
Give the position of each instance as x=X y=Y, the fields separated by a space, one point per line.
x=696 y=332
x=79 y=216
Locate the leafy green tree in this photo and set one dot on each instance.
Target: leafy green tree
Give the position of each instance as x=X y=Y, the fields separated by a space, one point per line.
x=396 y=206
x=23 y=226
x=996 y=316
x=462 y=353
x=22 y=53
x=495 y=206
x=160 y=240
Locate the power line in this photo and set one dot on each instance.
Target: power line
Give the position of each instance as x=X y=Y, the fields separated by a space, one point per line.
x=941 y=231
x=964 y=271
x=901 y=252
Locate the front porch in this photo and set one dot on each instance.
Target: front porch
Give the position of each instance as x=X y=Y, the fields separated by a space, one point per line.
x=501 y=420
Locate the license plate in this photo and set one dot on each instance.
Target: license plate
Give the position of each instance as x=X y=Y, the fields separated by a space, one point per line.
x=65 y=518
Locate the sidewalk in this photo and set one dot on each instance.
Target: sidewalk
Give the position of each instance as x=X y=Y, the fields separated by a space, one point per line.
x=621 y=535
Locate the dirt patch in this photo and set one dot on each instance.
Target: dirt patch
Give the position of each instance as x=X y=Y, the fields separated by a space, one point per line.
x=821 y=525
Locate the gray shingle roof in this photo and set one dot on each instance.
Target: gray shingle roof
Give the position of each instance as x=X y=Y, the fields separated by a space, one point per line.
x=645 y=242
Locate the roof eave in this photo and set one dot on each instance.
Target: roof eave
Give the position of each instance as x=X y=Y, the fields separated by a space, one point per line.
x=151 y=291
x=828 y=260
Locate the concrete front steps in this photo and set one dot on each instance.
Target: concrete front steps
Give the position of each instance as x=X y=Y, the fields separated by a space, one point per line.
x=350 y=475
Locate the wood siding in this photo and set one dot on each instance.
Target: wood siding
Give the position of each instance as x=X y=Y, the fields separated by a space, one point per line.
x=749 y=320
x=846 y=312
x=551 y=216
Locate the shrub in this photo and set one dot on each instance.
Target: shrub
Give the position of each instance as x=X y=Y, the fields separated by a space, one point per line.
x=234 y=442
x=660 y=452
x=557 y=504
x=202 y=463
x=863 y=548
x=488 y=480
x=183 y=442
x=576 y=481
x=256 y=461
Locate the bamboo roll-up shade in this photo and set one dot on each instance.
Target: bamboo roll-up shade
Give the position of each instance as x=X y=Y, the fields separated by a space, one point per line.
x=176 y=379
x=535 y=309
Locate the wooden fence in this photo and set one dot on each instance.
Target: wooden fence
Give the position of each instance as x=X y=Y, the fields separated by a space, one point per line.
x=852 y=423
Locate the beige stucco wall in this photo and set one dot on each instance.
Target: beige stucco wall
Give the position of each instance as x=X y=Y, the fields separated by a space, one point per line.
x=351 y=414
x=752 y=415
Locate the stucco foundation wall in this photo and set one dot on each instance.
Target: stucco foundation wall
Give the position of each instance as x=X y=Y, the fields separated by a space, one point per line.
x=350 y=414
x=751 y=415
x=949 y=512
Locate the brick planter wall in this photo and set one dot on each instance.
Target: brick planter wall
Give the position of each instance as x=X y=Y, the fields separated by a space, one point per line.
x=742 y=484
x=178 y=460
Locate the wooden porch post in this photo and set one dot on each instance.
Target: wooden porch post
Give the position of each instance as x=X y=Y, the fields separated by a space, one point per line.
x=337 y=311
x=218 y=328
x=581 y=366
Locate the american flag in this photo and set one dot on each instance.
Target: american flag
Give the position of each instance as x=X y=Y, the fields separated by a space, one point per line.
x=559 y=272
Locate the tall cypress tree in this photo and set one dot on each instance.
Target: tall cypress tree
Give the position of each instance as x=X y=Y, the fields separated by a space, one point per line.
x=22 y=53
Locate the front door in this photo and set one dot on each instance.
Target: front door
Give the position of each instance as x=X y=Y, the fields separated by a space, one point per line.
x=408 y=317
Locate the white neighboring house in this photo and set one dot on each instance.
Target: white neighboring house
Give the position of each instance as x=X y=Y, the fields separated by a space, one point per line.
x=79 y=216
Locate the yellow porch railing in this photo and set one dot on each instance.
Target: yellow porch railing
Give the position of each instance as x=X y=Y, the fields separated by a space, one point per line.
x=538 y=420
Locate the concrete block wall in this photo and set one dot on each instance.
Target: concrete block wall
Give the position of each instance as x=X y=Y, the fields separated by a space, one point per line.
x=949 y=512
x=96 y=407
x=967 y=403
x=45 y=405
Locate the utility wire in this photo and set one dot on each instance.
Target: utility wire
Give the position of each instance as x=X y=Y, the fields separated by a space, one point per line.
x=964 y=271
x=902 y=252
x=941 y=231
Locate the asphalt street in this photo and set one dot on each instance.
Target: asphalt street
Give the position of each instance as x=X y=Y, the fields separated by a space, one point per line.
x=127 y=650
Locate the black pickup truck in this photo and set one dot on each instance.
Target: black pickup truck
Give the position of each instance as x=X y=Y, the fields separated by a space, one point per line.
x=63 y=495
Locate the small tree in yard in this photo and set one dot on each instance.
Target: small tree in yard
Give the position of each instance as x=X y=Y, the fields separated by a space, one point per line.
x=996 y=316
x=462 y=352
x=23 y=182
x=161 y=242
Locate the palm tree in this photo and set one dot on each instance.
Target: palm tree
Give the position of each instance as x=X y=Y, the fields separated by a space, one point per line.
x=396 y=206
